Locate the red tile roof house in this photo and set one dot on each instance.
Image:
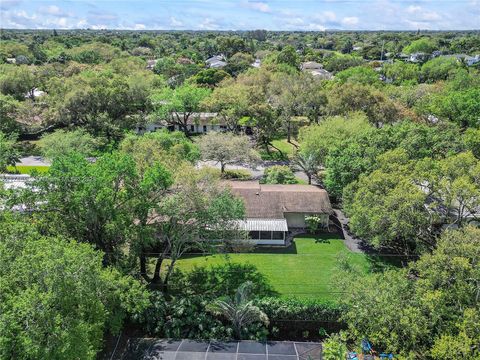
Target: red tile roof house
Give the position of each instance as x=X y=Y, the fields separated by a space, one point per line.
x=274 y=210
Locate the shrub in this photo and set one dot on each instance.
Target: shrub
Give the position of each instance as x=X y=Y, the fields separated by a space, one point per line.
x=290 y=318
x=335 y=347
x=238 y=174
x=279 y=174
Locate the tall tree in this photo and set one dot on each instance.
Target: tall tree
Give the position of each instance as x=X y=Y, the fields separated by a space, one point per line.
x=196 y=214
x=106 y=203
x=226 y=148
x=176 y=106
x=429 y=310
x=9 y=155
x=56 y=298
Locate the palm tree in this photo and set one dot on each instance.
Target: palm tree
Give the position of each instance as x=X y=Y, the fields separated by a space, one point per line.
x=239 y=309
x=308 y=163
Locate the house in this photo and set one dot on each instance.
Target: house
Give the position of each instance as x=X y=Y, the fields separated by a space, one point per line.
x=216 y=62
x=151 y=64
x=310 y=65
x=418 y=57
x=256 y=64
x=34 y=94
x=272 y=211
x=198 y=123
x=316 y=69
x=469 y=60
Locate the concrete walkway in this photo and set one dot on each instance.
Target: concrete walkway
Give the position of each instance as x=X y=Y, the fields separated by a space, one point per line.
x=352 y=242
x=33 y=161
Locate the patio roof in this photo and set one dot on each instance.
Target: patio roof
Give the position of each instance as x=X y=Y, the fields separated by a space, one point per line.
x=263 y=225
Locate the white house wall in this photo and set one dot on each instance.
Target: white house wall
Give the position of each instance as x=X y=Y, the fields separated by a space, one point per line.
x=197 y=129
x=295 y=220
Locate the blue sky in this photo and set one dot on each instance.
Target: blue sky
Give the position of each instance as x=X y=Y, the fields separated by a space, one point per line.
x=241 y=14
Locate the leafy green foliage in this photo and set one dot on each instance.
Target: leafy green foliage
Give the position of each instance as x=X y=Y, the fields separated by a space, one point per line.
x=359 y=75
x=335 y=347
x=424 y=45
x=8 y=153
x=177 y=105
x=439 y=68
x=61 y=142
x=169 y=148
x=427 y=310
x=239 y=310
x=279 y=174
x=103 y=203
x=402 y=73
x=226 y=148
x=209 y=77
x=56 y=298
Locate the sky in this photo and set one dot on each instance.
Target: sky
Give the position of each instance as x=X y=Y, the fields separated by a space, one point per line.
x=308 y=15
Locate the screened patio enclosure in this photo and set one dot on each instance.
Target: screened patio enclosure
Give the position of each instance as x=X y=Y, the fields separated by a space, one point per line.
x=265 y=231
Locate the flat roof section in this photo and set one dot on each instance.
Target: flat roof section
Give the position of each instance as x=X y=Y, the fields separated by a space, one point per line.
x=262 y=225
x=165 y=349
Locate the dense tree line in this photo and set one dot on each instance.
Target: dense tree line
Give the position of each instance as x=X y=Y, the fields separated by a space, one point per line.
x=396 y=144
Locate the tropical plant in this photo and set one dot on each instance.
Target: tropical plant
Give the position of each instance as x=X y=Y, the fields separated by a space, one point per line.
x=239 y=309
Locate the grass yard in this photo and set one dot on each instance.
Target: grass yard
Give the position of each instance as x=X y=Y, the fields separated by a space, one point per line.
x=287 y=149
x=23 y=169
x=303 y=270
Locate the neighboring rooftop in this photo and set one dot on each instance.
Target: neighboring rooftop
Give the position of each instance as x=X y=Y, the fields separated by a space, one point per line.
x=273 y=201
x=152 y=349
x=311 y=65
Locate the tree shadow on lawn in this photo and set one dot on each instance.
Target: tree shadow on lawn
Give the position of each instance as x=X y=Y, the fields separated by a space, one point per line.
x=380 y=263
x=321 y=238
x=291 y=249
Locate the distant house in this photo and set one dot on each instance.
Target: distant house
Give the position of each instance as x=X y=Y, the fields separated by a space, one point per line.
x=316 y=69
x=198 y=123
x=185 y=61
x=34 y=94
x=418 y=57
x=151 y=64
x=11 y=60
x=216 y=62
x=274 y=210
x=469 y=60
x=257 y=63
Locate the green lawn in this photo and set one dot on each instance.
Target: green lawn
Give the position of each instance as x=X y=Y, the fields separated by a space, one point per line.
x=23 y=169
x=287 y=149
x=304 y=270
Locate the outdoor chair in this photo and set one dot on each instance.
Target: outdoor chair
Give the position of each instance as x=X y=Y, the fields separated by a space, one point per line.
x=386 y=356
x=352 y=356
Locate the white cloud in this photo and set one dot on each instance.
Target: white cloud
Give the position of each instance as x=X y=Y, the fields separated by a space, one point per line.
x=325 y=16
x=209 y=24
x=350 y=21
x=175 y=22
x=51 y=10
x=257 y=5
x=413 y=9
x=139 y=27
